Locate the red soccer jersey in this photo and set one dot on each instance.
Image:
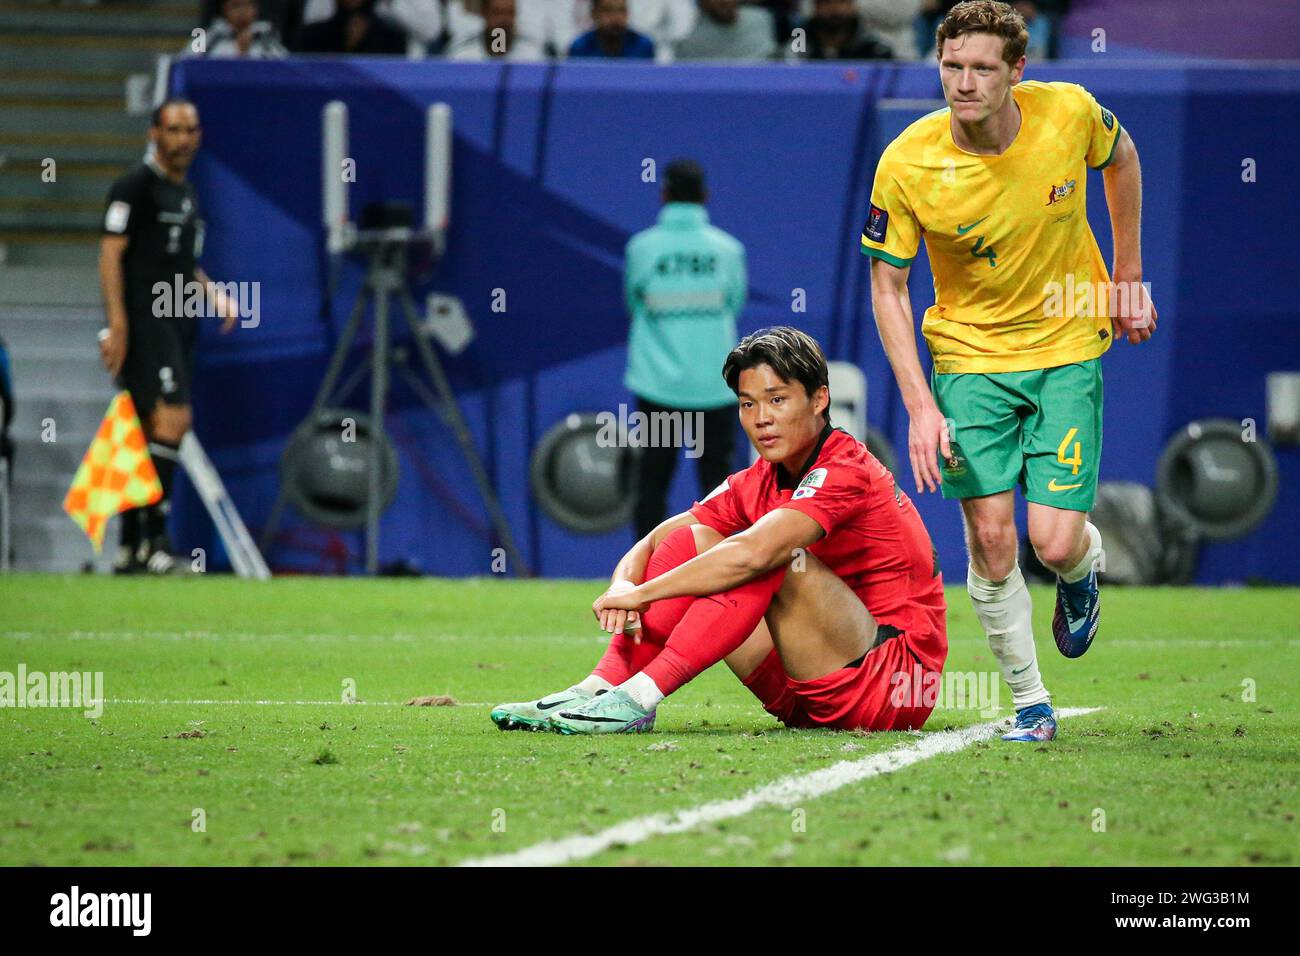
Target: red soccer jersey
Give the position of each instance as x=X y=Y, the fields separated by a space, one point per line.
x=874 y=539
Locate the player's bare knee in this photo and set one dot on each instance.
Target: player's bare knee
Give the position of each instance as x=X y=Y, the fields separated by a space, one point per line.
x=169 y=423
x=1055 y=552
x=993 y=544
x=171 y=432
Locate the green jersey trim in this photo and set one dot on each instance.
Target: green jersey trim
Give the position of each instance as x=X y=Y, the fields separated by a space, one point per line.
x=881 y=254
x=1118 y=132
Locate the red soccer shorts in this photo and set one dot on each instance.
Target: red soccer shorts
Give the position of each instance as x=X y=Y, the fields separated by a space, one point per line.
x=891 y=688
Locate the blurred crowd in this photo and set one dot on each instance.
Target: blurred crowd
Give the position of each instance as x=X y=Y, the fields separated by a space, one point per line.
x=538 y=30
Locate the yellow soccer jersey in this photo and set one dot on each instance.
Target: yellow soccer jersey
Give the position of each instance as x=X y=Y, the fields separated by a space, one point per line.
x=1016 y=267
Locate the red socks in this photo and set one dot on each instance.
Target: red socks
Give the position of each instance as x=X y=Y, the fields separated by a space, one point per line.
x=624 y=657
x=712 y=628
x=685 y=636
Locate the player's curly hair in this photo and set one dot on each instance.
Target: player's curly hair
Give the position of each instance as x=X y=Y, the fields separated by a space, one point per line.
x=795 y=356
x=985 y=16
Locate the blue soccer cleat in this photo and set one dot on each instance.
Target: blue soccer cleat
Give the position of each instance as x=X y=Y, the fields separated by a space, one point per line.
x=1034 y=724
x=1078 y=612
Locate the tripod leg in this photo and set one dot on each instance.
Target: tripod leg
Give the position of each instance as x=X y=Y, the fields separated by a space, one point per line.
x=340 y=353
x=450 y=412
x=322 y=399
x=272 y=524
x=378 y=390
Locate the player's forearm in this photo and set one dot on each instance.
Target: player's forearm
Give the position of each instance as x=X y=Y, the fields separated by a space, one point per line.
x=1123 y=184
x=898 y=337
x=726 y=565
x=632 y=565
x=113 y=286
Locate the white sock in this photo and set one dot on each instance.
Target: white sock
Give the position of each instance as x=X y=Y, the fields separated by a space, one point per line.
x=642 y=690
x=594 y=683
x=1006 y=611
x=1080 y=570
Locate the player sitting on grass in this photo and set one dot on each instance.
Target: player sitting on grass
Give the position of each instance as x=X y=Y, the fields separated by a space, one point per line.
x=810 y=573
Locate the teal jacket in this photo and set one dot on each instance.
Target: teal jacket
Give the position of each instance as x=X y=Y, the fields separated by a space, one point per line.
x=684 y=283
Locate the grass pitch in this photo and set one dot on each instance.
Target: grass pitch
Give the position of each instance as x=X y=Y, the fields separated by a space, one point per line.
x=224 y=738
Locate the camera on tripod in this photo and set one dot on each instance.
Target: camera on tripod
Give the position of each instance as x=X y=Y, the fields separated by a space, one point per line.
x=384 y=236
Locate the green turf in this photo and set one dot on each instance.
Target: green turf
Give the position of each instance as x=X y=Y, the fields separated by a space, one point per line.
x=1185 y=770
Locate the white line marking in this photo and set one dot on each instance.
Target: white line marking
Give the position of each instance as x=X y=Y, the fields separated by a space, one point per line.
x=784 y=792
x=1191 y=642
x=285 y=636
x=280 y=703
x=677 y=705
x=1145 y=643
x=246 y=636
x=212 y=635
x=684 y=705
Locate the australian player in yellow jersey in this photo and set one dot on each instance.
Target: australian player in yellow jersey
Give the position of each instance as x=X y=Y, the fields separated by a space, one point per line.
x=1024 y=308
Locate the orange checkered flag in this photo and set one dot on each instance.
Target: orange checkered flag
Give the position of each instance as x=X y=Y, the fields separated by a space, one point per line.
x=116 y=474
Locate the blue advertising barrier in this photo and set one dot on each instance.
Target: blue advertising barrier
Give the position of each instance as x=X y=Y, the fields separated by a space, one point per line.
x=548 y=185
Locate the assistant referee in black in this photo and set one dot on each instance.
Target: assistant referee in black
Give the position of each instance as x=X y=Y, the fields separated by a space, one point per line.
x=153 y=234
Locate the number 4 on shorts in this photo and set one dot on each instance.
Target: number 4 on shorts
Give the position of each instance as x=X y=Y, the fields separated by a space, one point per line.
x=1077 y=460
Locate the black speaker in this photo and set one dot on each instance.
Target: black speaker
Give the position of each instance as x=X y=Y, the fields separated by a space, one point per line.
x=325 y=468
x=1216 y=480
x=581 y=483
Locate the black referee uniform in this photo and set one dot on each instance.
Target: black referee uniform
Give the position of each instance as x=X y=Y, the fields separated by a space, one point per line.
x=160 y=218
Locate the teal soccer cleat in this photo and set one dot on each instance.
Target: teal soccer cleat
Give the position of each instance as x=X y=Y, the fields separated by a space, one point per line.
x=536 y=714
x=614 y=712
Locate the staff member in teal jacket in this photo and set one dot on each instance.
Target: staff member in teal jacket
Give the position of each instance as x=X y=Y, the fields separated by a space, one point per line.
x=684 y=283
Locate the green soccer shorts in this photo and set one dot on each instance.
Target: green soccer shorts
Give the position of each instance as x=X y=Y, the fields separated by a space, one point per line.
x=1039 y=429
